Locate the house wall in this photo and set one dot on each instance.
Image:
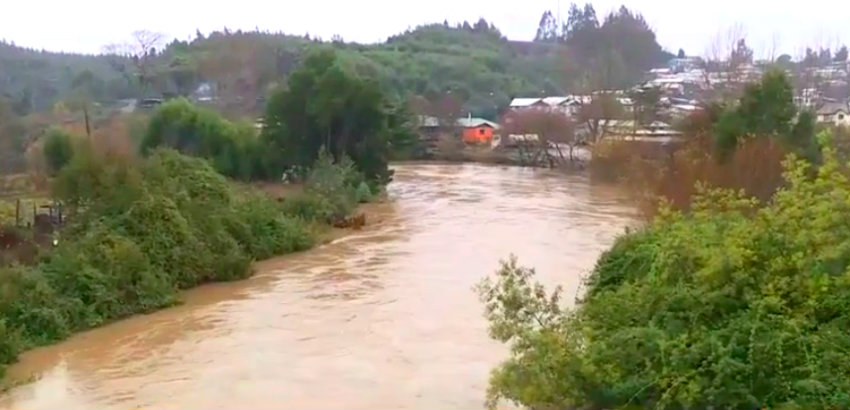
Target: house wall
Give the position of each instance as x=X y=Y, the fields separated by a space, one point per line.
x=840 y=118
x=477 y=135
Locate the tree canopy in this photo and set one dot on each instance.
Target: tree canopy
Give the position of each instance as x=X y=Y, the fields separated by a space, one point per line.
x=325 y=105
x=612 y=54
x=766 y=109
x=731 y=306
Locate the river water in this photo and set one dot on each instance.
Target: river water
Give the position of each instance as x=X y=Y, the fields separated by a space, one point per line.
x=383 y=318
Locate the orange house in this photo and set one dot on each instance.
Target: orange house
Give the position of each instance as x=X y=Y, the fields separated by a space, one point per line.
x=477 y=130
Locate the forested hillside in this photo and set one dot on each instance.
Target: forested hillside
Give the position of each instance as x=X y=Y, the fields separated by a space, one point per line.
x=32 y=80
x=474 y=63
x=482 y=68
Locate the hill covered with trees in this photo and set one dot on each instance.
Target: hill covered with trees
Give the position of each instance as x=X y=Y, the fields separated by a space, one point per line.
x=472 y=62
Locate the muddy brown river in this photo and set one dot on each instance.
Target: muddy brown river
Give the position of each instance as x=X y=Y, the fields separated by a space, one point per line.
x=383 y=318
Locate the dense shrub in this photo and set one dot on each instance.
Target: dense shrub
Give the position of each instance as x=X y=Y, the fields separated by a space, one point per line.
x=232 y=148
x=334 y=182
x=326 y=105
x=734 y=305
x=140 y=231
x=309 y=206
x=671 y=175
x=58 y=149
x=267 y=229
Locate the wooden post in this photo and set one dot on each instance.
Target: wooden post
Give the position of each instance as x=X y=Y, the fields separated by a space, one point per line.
x=86 y=116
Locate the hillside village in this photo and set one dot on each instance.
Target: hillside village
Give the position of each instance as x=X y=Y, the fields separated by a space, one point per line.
x=677 y=90
x=603 y=76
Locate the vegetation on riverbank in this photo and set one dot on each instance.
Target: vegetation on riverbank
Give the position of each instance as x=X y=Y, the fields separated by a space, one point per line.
x=739 y=145
x=737 y=303
x=142 y=229
x=324 y=107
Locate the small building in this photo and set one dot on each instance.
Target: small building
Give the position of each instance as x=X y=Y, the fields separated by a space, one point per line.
x=629 y=130
x=527 y=103
x=835 y=113
x=568 y=105
x=477 y=130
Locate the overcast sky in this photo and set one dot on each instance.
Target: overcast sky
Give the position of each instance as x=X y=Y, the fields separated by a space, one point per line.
x=86 y=25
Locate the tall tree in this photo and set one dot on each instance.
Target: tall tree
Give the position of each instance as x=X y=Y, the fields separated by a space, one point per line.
x=742 y=54
x=596 y=114
x=841 y=54
x=326 y=106
x=552 y=129
x=824 y=56
x=547 y=30
x=141 y=52
x=766 y=109
x=619 y=51
x=811 y=58
x=645 y=107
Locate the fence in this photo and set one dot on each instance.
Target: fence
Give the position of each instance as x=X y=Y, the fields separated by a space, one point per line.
x=29 y=212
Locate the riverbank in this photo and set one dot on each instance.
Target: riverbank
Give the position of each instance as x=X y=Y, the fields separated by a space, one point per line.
x=390 y=306
x=141 y=233
x=531 y=157
x=34 y=362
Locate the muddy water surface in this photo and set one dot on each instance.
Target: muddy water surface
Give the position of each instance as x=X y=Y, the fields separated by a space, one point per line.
x=383 y=318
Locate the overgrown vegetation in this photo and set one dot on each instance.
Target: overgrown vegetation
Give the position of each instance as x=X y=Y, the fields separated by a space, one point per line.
x=142 y=229
x=470 y=60
x=766 y=110
x=733 y=305
x=608 y=55
x=739 y=145
x=324 y=106
x=233 y=148
x=58 y=149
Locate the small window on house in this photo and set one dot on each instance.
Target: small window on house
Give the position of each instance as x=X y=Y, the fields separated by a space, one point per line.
x=481 y=131
x=840 y=117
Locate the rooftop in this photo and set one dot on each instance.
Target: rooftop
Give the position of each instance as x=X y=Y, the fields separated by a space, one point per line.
x=830 y=108
x=473 y=122
x=524 y=102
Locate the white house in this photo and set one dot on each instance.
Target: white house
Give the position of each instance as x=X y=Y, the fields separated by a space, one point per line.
x=527 y=103
x=835 y=113
x=567 y=105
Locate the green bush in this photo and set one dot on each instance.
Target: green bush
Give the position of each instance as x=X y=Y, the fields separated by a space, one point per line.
x=139 y=232
x=334 y=182
x=58 y=150
x=31 y=306
x=10 y=346
x=271 y=230
x=107 y=276
x=309 y=207
x=231 y=148
x=732 y=306
x=363 y=193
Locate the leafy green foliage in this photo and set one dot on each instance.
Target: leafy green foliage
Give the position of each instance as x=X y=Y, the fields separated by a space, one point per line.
x=734 y=305
x=766 y=110
x=326 y=106
x=58 y=150
x=35 y=80
x=613 y=54
x=203 y=133
x=13 y=133
x=139 y=232
x=363 y=193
